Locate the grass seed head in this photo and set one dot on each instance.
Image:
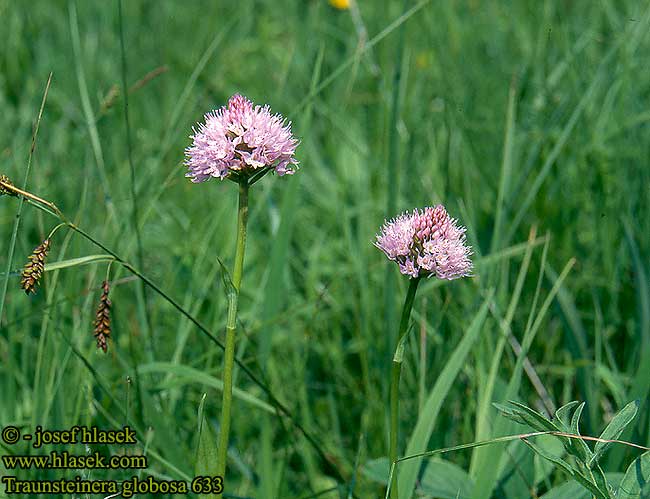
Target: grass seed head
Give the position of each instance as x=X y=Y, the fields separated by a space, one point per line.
x=33 y=269
x=102 y=321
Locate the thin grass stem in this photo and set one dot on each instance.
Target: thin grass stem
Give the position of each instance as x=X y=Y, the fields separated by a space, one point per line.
x=14 y=233
x=142 y=291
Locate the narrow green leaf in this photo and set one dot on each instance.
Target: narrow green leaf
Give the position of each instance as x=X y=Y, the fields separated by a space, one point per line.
x=491 y=462
x=578 y=345
x=228 y=285
x=206 y=453
x=186 y=375
x=614 y=429
x=419 y=439
x=75 y=262
x=576 y=474
x=562 y=417
x=484 y=425
x=583 y=451
x=506 y=165
x=399 y=351
x=510 y=413
x=640 y=356
x=600 y=480
x=533 y=418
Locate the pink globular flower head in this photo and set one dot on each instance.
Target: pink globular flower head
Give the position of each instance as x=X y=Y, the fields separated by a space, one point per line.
x=238 y=140
x=426 y=243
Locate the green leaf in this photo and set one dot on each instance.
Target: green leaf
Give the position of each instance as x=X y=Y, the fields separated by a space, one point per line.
x=562 y=417
x=518 y=472
x=510 y=413
x=636 y=482
x=568 y=490
x=543 y=468
x=533 y=418
x=441 y=479
x=581 y=450
x=399 y=351
x=228 y=285
x=573 y=490
x=558 y=461
x=562 y=420
x=185 y=375
x=598 y=477
x=206 y=452
x=75 y=262
x=377 y=470
x=576 y=474
x=444 y=480
x=614 y=429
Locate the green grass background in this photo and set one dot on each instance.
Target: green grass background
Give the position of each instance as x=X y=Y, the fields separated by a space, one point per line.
x=528 y=119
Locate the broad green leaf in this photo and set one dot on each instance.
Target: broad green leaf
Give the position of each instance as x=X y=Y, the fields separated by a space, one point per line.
x=558 y=461
x=636 y=482
x=445 y=480
x=544 y=468
x=568 y=490
x=573 y=490
x=377 y=470
x=518 y=473
x=440 y=479
x=614 y=429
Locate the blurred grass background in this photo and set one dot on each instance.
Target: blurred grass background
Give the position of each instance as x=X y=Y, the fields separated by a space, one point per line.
x=528 y=119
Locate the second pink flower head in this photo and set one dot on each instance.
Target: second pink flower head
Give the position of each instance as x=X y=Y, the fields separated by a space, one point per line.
x=426 y=243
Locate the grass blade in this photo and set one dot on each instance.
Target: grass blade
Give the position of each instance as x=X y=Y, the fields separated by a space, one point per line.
x=408 y=471
x=21 y=200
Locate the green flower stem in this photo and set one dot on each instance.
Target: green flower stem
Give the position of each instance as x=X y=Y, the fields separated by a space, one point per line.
x=394 y=384
x=231 y=326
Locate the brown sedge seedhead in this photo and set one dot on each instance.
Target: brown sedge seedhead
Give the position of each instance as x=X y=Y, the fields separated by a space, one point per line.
x=102 y=321
x=33 y=269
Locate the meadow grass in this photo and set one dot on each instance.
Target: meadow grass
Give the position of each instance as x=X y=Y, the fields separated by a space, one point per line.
x=529 y=120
